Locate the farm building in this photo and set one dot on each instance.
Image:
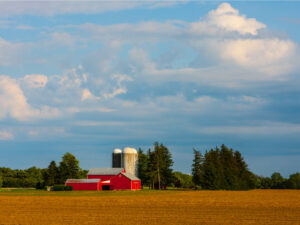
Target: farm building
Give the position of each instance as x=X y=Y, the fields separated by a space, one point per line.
x=115 y=178
x=85 y=184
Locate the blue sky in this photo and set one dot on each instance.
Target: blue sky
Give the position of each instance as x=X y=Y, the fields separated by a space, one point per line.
x=88 y=77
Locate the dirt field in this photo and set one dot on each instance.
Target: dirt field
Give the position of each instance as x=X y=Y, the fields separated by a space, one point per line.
x=151 y=207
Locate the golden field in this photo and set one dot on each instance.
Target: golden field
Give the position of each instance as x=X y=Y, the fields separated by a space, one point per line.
x=151 y=207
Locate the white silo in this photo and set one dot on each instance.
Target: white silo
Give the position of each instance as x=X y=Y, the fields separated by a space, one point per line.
x=130 y=160
x=117 y=161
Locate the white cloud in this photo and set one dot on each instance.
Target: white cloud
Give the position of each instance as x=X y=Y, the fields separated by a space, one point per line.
x=35 y=80
x=5 y=135
x=13 y=103
x=270 y=56
x=87 y=95
x=228 y=18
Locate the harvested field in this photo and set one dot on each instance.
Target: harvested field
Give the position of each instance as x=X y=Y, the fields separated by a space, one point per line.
x=151 y=207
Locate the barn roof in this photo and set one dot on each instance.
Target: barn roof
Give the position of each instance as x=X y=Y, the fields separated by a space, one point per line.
x=105 y=171
x=130 y=176
x=82 y=180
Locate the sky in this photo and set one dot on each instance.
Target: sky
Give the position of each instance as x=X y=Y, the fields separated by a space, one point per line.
x=86 y=77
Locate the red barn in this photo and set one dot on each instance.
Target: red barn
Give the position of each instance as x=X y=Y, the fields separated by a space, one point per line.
x=117 y=177
x=104 y=173
x=85 y=184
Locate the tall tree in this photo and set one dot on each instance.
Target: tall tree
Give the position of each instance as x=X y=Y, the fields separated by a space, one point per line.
x=197 y=168
x=166 y=170
x=151 y=168
x=143 y=167
x=69 y=168
x=226 y=169
x=160 y=166
x=52 y=174
x=246 y=178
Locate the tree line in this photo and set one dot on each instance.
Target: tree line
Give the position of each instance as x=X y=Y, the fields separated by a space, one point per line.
x=39 y=178
x=224 y=168
x=221 y=168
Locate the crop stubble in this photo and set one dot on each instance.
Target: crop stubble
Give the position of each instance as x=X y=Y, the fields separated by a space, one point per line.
x=153 y=207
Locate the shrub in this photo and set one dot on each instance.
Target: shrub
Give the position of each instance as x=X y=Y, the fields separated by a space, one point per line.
x=58 y=187
x=68 y=188
x=62 y=187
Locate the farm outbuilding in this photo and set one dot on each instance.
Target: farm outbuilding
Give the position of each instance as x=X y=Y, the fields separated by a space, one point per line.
x=85 y=184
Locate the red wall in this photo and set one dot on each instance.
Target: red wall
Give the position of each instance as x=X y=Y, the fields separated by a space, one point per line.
x=85 y=186
x=136 y=185
x=121 y=182
x=101 y=177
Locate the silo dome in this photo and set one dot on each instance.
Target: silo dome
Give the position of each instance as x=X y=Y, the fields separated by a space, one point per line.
x=129 y=150
x=117 y=151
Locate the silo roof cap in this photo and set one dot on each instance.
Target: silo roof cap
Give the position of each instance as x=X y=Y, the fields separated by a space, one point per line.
x=129 y=150
x=117 y=150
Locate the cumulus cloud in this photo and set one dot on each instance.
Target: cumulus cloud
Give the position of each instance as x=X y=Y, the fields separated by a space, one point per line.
x=13 y=103
x=224 y=38
x=35 y=80
x=270 y=56
x=229 y=19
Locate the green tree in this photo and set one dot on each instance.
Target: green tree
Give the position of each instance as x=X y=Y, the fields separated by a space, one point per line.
x=183 y=180
x=294 y=181
x=229 y=171
x=1 y=181
x=226 y=169
x=277 y=180
x=68 y=168
x=160 y=166
x=166 y=170
x=246 y=178
x=151 y=168
x=143 y=167
x=197 y=168
x=52 y=174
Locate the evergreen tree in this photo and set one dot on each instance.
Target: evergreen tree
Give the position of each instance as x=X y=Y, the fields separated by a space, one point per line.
x=166 y=170
x=209 y=171
x=226 y=169
x=143 y=167
x=160 y=166
x=151 y=169
x=52 y=174
x=246 y=178
x=197 y=168
x=229 y=169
